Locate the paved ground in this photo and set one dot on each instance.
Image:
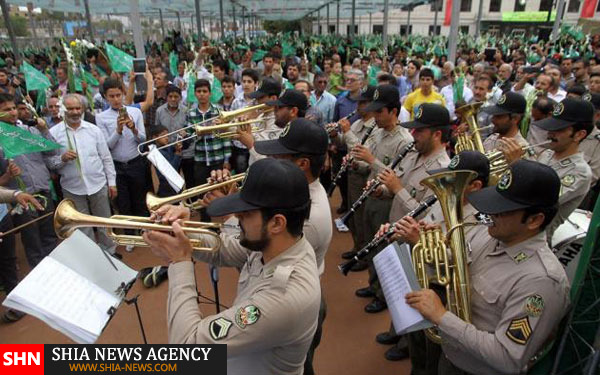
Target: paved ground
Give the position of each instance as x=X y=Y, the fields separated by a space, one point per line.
x=348 y=346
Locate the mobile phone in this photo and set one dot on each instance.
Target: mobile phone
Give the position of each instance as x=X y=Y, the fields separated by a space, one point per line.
x=489 y=54
x=123 y=112
x=532 y=69
x=139 y=66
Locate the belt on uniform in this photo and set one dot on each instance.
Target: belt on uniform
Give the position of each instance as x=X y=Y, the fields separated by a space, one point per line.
x=131 y=161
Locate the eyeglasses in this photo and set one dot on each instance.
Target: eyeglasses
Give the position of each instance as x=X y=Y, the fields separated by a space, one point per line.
x=351 y=80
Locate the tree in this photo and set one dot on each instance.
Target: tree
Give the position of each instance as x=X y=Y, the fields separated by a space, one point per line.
x=281 y=26
x=19 y=25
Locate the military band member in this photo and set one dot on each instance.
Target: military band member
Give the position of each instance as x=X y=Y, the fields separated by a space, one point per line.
x=590 y=147
x=571 y=122
x=384 y=145
x=519 y=289
x=271 y=323
x=424 y=353
x=269 y=90
x=351 y=135
x=506 y=117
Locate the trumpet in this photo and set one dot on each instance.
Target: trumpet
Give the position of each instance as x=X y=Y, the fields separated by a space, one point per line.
x=224 y=117
x=498 y=162
x=153 y=202
x=473 y=140
x=67 y=219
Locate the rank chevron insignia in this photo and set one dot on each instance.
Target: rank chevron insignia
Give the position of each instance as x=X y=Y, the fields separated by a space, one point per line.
x=219 y=328
x=519 y=330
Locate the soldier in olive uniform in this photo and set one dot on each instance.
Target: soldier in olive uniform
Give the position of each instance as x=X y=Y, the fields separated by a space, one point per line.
x=271 y=323
x=384 y=145
x=570 y=124
x=519 y=290
x=352 y=135
x=590 y=147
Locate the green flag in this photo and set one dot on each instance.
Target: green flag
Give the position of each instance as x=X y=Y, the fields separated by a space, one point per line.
x=232 y=66
x=287 y=49
x=191 y=96
x=215 y=93
x=34 y=79
x=90 y=79
x=258 y=55
x=16 y=141
x=173 y=61
x=119 y=61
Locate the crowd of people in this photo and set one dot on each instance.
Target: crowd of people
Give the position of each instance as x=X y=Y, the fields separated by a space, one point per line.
x=325 y=104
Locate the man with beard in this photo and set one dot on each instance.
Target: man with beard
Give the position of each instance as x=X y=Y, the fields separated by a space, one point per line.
x=273 y=318
x=87 y=172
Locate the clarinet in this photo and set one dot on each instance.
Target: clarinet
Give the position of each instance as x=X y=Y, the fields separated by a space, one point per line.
x=376 y=241
x=347 y=163
x=375 y=184
x=335 y=125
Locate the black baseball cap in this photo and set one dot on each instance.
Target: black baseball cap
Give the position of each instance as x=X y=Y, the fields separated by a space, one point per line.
x=290 y=98
x=366 y=94
x=567 y=113
x=592 y=98
x=269 y=183
x=383 y=96
x=526 y=184
x=268 y=86
x=509 y=102
x=427 y=115
x=468 y=160
x=300 y=136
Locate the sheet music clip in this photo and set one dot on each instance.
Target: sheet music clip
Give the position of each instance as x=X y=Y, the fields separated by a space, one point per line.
x=111 y=311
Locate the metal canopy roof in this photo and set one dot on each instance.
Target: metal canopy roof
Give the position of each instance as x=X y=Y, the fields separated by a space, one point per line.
x=264 y=9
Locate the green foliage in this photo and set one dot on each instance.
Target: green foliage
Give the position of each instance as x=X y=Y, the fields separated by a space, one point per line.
x=281 y=26
x=19 y=25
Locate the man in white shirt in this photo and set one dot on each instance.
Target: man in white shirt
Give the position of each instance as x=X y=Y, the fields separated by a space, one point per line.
x=554 y=91
x=87 y=172
x=123 y=129
x=448 y=93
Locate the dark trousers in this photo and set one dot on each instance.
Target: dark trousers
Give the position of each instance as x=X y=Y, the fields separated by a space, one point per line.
x=187 y=167
x=201 y=174
x=132 y=187
x=445 y=367
x=424 y=354
x=239 y=159
x=336 y=163
x=39 y=238
x=308 y=363
x=376 y=213
x=8 y=259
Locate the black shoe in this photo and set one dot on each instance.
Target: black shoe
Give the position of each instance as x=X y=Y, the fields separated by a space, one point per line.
x=365 y=292
x=387 y=338
x=375 y=306
x=361 y=265
x=348 y=254
x=156 y=276
x=396 y=354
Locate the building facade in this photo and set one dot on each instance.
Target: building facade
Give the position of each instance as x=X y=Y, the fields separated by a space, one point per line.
x=497 y=16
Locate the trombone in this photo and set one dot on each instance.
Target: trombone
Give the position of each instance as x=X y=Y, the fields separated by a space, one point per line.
x=153 y=202
x=224 y=117
x=67 y=219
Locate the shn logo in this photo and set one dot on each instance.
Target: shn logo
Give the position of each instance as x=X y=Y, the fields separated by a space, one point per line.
x=21 y=358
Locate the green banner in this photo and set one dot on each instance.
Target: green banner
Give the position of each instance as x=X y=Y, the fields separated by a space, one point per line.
x=527 y=16
x=119 y=60
x=34 y=79
x=16 y=141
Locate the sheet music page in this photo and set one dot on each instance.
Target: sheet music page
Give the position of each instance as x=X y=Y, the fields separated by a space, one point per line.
x=56 y=294
x=395 y=285
x=166 y=169
x=85 y=257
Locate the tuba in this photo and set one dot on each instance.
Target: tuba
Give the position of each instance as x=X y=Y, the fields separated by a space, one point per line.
x=67 y=219
x=450 y=272
x=471 y=141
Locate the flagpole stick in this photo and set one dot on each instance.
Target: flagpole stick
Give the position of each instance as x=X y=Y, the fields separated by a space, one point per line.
x=16 y=229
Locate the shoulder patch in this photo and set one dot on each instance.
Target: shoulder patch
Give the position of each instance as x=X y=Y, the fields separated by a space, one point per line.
x=246 y=316
x=534 y=305
x=567 y=180
x=519 y=330
x=565 y=162
x=219 y=328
